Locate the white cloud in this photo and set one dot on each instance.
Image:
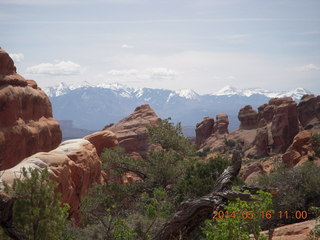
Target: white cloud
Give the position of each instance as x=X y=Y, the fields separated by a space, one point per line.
x=63 y=2
x=206 y=71
x=17 y=57
x=159 y=73
x=60 y=68
x=126 y=46
x=162 y=73
x=308 y=68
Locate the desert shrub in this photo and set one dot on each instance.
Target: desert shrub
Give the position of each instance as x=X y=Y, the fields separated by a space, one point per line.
x=152 y=211
x=38 y=212
x=146 y=204
x=229 y=143
x=200 y=177
x=170 y=137
x=315 y=144
x=204 y=152
x=239 y=219
x=105 y=226
x=159 y=173
x=299 y=188
x=315 y=232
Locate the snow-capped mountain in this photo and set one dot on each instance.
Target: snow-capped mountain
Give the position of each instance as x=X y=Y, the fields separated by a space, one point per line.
x=58 y=90
x=93 y=107
x=296 y=94
x=124 y=91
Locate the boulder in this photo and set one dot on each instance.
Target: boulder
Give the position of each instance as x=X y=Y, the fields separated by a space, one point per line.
x=103 y=139
x=131 y=131
x=74 y=165
x=309 y=112
x=204 y=129
x=26 y=122
x=248 y=117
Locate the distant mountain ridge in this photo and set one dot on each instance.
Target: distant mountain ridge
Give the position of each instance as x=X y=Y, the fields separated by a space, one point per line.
x=94 y=106
x=124 y=91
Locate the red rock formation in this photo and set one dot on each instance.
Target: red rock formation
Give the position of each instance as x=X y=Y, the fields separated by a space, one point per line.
x=103 y=139
x=132 y=130
x=299 y=150
x=278 y=124
x=266 y=112
x=309 y=112
x=210 y=132
x=255 y=168
x=295 y=231
x=75 y=165
x=270 y=131
x=221 y=124
x=204 y=129
x=261 y=144
x=26 y=122
x=248 y=117
x=285 y=123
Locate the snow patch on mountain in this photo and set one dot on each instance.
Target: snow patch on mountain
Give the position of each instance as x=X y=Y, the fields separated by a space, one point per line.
x=227 y=90
x=187 y=93
x=58 y=90
x=296 y=94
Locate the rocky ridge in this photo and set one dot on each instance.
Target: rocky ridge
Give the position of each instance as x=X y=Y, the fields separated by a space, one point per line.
x=131 y=131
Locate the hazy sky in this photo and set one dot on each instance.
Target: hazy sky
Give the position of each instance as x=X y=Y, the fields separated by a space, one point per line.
x=198 y=44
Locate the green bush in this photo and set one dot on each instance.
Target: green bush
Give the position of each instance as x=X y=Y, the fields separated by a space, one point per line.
x=145 y=205
x=39 y=213
x=315 y=144
x=204 y=152
x=299 y=188
x=239 y=219
x=199 y=178
x=105 y=227
x=170 y=137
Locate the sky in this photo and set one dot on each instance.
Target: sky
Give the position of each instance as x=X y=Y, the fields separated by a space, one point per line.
x=203 y=45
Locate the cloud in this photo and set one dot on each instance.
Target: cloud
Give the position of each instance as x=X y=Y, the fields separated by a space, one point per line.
x=160 y=20
x=70 y=2
x=60 y=68
x=308 y=68
x=159 y=73
x=126 y=46
x=17 y=57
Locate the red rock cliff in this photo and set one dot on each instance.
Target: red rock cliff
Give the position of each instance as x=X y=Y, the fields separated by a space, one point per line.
x=26 y=122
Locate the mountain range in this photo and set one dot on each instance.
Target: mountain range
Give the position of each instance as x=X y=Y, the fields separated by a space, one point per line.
x=94 y=106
